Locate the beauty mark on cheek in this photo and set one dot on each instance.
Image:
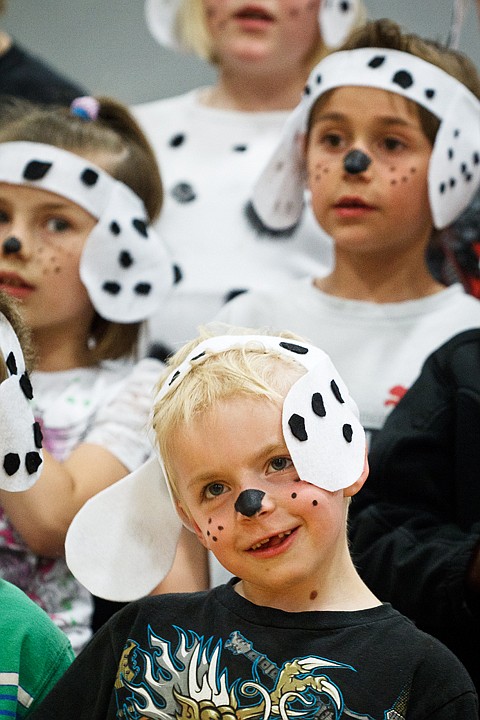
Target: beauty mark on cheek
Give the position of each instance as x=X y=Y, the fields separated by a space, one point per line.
x=313 y=594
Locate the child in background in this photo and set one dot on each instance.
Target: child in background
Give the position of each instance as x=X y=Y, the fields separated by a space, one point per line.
x=388 y=135
x=212 y=142
x=34 y=653
x=78 y=191
x=262 y=448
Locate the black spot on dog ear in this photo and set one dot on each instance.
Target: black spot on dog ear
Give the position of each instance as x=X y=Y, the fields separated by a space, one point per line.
x=125 y=259
x=442 y=187
x=336 y=391
x=318 y=79
x=197 y=357
x=11 y=463
x=306 y=90
x=37 y=435
x=231 y=294
x=430 y=93
x=318 y=406
x=36 y=170
x=26 y=386
x=140 y=226
x=347 y=431
x=11 y=364
x=177 y=140
x=111 y=287
x=376 y=62
x=177 y=274
x=345 y=6
x=142 y=288
x=240 y=148
x=174 y=377
x=183 y=193
x=293 y=347
x=89 y=177
x=476 y=158
x=115 y=228
x=403 y=78
x=297 y=426
x=32 y=462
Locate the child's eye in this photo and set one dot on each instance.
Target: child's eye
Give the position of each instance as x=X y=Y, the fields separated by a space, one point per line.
x=280 y=463
x=58 y=225
x=214 y=490
x=333 y=140
x=391 y=144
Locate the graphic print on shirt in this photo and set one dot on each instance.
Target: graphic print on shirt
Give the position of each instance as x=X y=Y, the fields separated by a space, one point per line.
x=192 y=681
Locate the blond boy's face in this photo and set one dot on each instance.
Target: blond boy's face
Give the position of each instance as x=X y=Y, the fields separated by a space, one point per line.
x=384 y=209
x=234 y=454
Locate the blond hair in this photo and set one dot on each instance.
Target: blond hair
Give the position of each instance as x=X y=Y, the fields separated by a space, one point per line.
x=247 y=371
x=115 y=142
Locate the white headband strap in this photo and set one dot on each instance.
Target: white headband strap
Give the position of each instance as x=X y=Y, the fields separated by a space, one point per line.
x=128 y=556
x=454 y=170
x=124 y=266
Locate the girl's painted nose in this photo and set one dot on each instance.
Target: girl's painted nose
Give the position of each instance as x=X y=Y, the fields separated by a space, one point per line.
x=356 y=162
x=249 y=502
x=11 y=245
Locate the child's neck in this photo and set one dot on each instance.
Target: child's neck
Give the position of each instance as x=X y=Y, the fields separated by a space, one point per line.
x=54 y=354
x=254 y=93
x=368 y=279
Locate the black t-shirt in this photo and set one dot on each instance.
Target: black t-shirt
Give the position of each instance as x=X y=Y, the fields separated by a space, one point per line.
x=25 y=76
x=216 y=655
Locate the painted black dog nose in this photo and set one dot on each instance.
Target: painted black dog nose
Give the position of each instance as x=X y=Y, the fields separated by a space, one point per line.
x=356 y=162
x=11 y=245
x=249 y=502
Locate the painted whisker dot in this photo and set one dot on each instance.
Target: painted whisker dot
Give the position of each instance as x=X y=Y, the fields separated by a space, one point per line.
x=209 y=521
x=315 y=503
x=220 y=528
x=294 y=495
x=214 y=538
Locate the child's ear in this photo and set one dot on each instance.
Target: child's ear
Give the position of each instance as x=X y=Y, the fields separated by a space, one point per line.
x=189 y=522
x=352 y=490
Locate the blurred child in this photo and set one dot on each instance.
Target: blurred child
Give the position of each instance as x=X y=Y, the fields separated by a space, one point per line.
x=388 y=137
x=78 y=191
x=262 y=447
x=212 y=142
x=34 y=653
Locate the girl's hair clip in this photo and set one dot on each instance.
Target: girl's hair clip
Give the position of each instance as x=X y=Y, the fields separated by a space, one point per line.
x=86 y=107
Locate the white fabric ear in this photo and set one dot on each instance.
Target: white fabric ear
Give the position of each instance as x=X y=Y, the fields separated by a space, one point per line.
x=337 y=19
x=161 y=16
x=20 y=436
x=122 y=542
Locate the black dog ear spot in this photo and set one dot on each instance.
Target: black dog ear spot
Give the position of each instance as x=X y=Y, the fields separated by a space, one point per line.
x=89 y=177
x=11 y=364
x=140 y=226
x=142 y=288
x=111 y=287
x=297 y=426
x=318 y=406
x=292 y=347
x=347 y=431
x=26 y=386
x=11 y=463
x=32 y=462
x=37 y=435
x=36 y=170
x=403 y=78
x=336 y=391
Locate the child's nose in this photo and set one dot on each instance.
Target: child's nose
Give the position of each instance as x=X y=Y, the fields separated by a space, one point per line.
x=249 y=502
x=356 y=161
x=11 y=245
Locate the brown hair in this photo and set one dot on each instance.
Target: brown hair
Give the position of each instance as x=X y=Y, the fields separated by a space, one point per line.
x=10 y=308
x=115 y=142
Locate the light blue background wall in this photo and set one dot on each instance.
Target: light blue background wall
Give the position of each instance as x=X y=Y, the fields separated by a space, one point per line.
x=105 y=44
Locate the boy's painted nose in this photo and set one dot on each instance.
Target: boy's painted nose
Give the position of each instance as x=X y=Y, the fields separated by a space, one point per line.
x=11 y=245
x=356 y=162
x=249 y=502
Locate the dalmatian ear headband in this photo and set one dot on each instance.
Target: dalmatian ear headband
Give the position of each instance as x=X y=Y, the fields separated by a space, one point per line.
x=128 y=556
x=336 y=19
x=454 y=169
x=124 y=265
x=20 y=435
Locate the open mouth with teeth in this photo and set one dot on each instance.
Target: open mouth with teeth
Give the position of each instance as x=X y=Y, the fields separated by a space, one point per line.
x=271 y=542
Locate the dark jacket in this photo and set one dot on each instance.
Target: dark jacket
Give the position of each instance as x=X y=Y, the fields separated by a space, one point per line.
x=416 y=522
